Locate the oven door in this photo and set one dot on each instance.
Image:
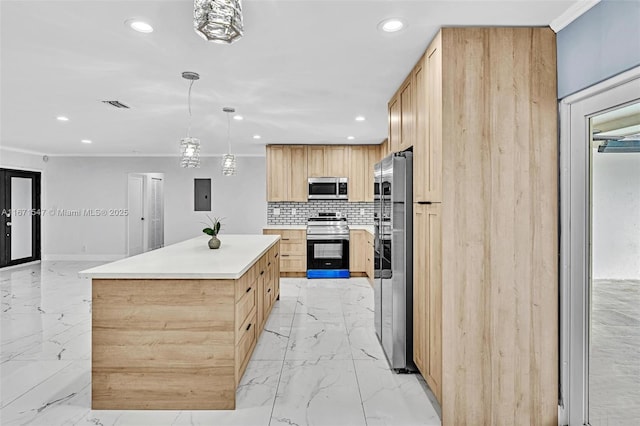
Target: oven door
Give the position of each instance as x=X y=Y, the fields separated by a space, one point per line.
x=327 y=252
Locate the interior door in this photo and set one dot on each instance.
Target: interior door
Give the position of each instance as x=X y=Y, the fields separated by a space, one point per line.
x=20 y=222
x=156 y=214
x=135 y=219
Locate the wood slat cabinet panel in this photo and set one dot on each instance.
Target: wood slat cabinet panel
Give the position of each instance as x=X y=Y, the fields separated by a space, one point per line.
x=316 y=161
x=427 y=294
x=293 y=249
x=245 y=346
x=298 y=184
x=395 y=124
x=357 y=251
x=370 y=254
x=407 y=114
x=277 y=175
x=432 y=174
x=336 y=158
x=357 y=172
x=373 y=157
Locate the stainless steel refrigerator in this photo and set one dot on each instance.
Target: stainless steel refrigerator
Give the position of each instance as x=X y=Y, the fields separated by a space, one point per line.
x=393 y=278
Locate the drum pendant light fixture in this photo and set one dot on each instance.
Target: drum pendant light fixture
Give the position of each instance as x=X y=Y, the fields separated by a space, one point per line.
x=219 y=21
x=229 y=160
x=190 y=147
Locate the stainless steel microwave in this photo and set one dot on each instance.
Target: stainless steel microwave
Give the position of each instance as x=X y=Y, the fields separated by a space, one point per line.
x=328 y=188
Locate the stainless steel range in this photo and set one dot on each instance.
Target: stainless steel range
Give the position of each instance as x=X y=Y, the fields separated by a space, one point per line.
x=327 y=246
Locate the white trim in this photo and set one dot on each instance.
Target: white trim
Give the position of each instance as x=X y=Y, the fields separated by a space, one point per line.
x=33 y=262
x=575 y=112
x=572 y=13
x=83 y=257
x=21 y=150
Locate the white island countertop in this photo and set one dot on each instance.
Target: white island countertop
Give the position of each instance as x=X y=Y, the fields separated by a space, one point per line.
x=190 y=259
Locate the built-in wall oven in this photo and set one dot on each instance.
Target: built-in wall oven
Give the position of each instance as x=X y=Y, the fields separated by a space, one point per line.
x=327 y=247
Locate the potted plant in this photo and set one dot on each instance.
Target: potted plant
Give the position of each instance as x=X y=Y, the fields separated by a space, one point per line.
x=213 y=230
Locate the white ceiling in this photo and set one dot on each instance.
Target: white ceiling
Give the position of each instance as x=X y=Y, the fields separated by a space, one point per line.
x=301 y=73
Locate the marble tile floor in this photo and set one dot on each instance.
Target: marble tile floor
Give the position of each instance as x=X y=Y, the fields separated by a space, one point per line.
x=614 y=369
x=317 y=362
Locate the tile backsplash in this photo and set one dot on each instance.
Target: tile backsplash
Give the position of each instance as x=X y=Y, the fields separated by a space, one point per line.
x=352 y=211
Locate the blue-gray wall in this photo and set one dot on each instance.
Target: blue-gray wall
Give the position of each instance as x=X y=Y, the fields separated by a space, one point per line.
x=603 y=42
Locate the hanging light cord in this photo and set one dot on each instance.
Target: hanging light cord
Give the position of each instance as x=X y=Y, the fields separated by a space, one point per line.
x=229 y=133
x=189 y=100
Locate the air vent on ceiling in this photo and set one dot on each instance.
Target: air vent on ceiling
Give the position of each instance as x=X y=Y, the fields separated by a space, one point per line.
x=116 y=104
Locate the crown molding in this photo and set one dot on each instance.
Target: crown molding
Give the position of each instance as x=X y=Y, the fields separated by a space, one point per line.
x=571 y=14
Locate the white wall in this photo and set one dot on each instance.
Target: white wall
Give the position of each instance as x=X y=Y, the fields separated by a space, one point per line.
x=101 y=183
x=616 y=215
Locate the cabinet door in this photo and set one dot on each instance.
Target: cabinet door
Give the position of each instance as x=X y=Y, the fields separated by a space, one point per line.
x=427 y=294
x=358 y=251
x=315 y=161
x=394 y=124
x=262 y=275
x=336 y=160
x=420 y=146
x=407 y=121
x=277 y=177
x=298 y=188
x=433 y=167
x=373 y=157
x=357 y=172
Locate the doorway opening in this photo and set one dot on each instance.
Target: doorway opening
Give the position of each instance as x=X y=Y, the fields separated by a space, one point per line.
x=20 y=223
x=145 y=222
x=600 y=254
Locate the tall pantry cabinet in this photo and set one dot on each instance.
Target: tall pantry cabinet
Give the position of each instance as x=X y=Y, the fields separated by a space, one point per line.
x=485 y=224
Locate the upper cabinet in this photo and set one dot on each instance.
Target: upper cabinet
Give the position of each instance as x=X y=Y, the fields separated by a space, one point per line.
x=363 y=158
x=394 y=124
x=427 y=149
x=328 y=160
x=407 y=114
x=286 y=173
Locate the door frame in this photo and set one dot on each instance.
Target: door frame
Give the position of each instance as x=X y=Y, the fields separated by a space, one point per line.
x=575 y=113
x=36 y=224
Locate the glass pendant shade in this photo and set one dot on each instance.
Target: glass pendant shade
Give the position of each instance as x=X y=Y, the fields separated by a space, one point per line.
x=190 y=152
x=219 y=21
x=229 y=165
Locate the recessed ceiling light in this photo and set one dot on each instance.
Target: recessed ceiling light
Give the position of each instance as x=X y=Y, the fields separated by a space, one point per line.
x=391 y=25
x=62 y=118
x=85 y=141
x=360 y=118
x=238 y=117
x=257 y=136
x=139 y=26
x=350 y=138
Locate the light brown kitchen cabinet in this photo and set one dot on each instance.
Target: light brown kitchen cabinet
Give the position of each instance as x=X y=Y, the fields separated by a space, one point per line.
x=293 y=250
x=370 y=254
x=407 y=114
x=336 y=159
x=385 y=149
x=316 y=161
x=431 y=179
x=277 y=181
x=373 y=157
x=286 y=173
x=363 y=158
x=358 y=251
x=395 y=123
x=427 y=294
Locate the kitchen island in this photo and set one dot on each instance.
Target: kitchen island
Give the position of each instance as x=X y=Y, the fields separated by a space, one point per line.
x=174 y=328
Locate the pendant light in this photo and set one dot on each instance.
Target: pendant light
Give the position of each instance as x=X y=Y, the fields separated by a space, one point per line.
x=219 y=21
x=229 y=160
x=190 y=147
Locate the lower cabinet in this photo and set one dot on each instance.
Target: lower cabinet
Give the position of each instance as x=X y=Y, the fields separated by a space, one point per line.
x=370 y=254
x=293 y=249
x=427 y=294
x=256 y=291
x=357 y=251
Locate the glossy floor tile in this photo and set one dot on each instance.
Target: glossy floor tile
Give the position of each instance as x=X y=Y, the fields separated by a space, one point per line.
x=614 y=365
x=317 y=362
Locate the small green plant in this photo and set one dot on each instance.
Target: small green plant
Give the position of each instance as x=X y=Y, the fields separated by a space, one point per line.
x=214 y=229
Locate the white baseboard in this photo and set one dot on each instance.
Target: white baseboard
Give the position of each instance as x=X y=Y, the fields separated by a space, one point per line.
x=83 y=257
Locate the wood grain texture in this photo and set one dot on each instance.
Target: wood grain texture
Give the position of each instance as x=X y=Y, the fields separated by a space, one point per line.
x=315 y=161
x=433 y=139
x=336 y=160
x=357 y=169
x=298 y=184
x=407 y=114
x=499 y=226
x=277 y=178
x=163 y=344
x=292 y=249
x=395 y=124
x=357 y=251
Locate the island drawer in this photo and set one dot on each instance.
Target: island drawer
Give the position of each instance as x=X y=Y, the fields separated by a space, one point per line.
x=245 y=346
x=246 y=281
x=244 y=307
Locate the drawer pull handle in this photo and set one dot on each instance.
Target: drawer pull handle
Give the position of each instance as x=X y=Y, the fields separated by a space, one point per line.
x=285 y=255
x=261 y=272
x=268 y=264
x=285 y=239
x=268 y=290
x=249 y=326
x=277 y=254
x=249 y=289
